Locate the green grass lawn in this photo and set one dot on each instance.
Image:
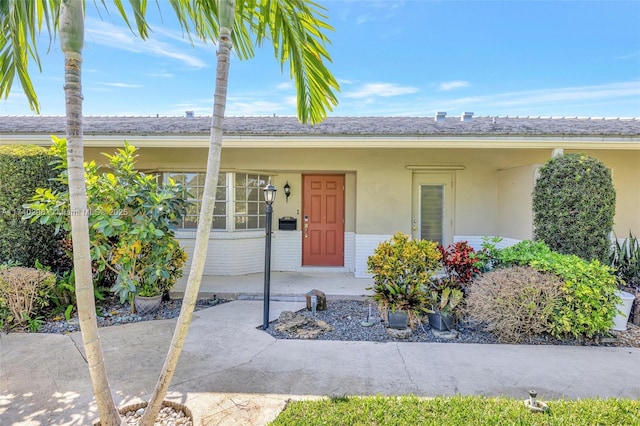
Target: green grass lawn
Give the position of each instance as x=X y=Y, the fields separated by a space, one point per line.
x=458 y=410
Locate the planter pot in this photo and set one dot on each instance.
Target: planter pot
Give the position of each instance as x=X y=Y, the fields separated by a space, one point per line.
x=147 y=305
x=620 y=321
x=440 y=321
x=398 y=320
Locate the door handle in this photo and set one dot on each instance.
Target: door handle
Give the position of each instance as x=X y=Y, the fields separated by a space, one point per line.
x=306 y=230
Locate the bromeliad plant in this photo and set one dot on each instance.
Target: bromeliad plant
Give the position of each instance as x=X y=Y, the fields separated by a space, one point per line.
x=131 y=216
x=401 y=269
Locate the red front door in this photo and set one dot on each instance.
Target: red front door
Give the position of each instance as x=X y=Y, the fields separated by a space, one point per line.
x=323 y=220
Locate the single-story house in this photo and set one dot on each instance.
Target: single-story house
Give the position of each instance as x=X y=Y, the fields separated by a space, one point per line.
x=355 y=181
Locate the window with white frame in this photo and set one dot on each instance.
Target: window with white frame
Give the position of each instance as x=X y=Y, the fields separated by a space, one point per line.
x=245 y=211
x=193 y=184
x=248 y=200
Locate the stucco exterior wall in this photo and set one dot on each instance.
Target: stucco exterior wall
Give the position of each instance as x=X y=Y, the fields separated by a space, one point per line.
x=515 y=215
x=492 y=195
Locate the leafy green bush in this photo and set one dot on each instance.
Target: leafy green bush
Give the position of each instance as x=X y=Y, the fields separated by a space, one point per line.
x=23 y=168
x=402 y=269
x=573 y=206
x=588 y=303
x=514 y=303
x=131 y=221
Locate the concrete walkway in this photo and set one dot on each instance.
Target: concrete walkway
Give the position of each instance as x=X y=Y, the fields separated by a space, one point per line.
x=232 y=373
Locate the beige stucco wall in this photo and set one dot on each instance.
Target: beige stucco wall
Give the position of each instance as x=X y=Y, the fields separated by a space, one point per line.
x=492 y=190
x=515 y=215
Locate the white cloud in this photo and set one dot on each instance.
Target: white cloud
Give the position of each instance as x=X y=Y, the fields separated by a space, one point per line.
x=125 y=85
x=380 y=89
x=451 y=85
x=594 y=100
x=561 y=94
x=161 y=74
x=285 y=86
x=106 y=34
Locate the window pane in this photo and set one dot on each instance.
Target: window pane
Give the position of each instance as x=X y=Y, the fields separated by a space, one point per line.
x=220 y=209
x=241 y=179
x=241 y=222
x=431 y=212
x=253 y=209
x=219 y=222
x=241 y=194
x=252 y=222
x=190 y=222
x=241 y=209
x=252 y=194
x=221 y=194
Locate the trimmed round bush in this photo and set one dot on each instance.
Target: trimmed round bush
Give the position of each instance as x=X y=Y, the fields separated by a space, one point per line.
x=514 y=304
x=573 y=206
x=23 y=168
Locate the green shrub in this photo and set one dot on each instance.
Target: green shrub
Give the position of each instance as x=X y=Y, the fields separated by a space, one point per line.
x=574 y=205
x=24 y=292
x=587 y=306
x=131 y=221
x=402 y=269
x=515 y=303
x=23 y=168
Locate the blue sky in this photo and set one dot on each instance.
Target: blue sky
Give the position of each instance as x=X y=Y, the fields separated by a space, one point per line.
x=392 y=58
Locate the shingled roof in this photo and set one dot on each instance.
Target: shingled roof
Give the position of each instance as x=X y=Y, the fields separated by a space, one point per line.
x=332 y=126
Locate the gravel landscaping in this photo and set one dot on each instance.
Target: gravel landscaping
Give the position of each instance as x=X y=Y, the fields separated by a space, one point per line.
x=344 y=316
x=111 y=312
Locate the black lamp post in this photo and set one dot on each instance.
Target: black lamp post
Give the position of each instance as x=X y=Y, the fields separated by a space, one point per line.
x=269 y=197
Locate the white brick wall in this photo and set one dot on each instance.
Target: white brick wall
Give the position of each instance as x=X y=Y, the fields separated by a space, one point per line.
x=240 y=253
x=235 y=253
x=365 y=245
x=286 y=250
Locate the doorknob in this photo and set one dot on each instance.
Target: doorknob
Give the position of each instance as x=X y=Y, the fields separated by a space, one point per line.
x=306 y=230
x=415 y=228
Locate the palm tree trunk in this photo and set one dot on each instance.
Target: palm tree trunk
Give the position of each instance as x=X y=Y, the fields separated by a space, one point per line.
x=227 y=12
x=72 y=40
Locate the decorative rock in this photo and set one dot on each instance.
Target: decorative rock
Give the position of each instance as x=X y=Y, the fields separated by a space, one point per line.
x=399 y=334
x=322 y=300
x=300 y=326
x=446 y=335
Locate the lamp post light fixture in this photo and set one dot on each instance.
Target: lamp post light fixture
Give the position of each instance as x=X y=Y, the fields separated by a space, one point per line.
x=269 y=198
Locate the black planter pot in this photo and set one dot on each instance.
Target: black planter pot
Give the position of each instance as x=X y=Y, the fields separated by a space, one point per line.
x=441 y=321
x=398 y=320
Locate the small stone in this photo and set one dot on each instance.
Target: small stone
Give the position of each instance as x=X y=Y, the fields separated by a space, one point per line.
x=400 y=334
x=446 y=335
